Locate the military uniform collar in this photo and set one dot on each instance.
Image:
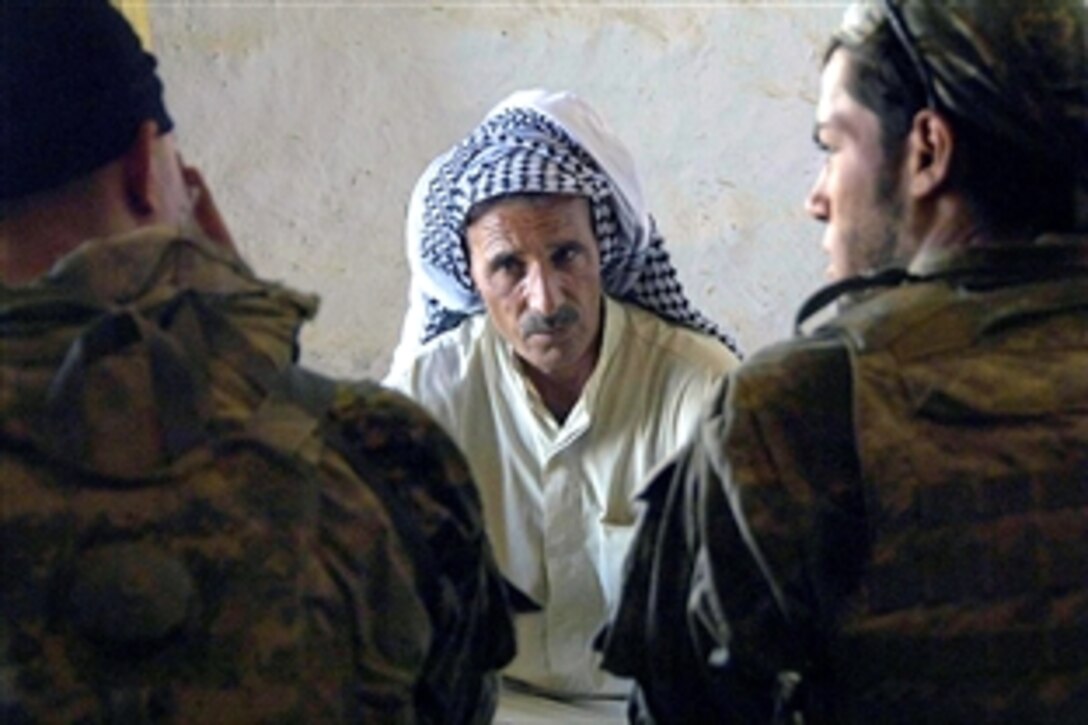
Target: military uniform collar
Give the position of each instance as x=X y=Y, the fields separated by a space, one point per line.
x=1050 y=256
x=1050 y=252
x=128 y=266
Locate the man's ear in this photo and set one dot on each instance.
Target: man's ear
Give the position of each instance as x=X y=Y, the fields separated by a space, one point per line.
x=141 y=186
x=931 y=146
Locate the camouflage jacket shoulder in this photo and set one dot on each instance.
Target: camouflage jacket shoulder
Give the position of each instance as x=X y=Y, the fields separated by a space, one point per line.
x=190 y=538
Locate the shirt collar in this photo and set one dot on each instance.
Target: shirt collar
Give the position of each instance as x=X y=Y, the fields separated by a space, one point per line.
x=614 y=323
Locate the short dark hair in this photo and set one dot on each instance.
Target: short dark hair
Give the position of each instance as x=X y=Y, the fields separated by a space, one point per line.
x=880 y=77
x=1010 y=189
x=75 y=85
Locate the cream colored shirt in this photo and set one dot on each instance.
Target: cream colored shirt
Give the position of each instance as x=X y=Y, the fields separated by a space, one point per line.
x=559 y=499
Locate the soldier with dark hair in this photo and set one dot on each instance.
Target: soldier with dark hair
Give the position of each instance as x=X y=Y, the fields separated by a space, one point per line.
x=193 y=528
x=885 y=520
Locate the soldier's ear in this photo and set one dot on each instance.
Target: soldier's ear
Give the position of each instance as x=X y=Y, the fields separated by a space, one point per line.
x=930 y=147
x=141 y=186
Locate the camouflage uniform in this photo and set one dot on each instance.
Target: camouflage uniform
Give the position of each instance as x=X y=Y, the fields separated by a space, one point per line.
x=892 y=511
x=193 y=530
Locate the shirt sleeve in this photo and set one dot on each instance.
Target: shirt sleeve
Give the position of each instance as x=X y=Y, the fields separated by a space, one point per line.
x=736 y=566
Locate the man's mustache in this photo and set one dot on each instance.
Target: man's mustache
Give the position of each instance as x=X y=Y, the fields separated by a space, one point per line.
x=533 y=323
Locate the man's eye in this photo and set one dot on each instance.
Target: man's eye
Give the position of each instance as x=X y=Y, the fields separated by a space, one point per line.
x=821 y=144
x=506 y=265
x=565 y=255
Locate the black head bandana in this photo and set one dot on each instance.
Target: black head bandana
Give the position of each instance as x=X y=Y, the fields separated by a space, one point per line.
x=75 y=85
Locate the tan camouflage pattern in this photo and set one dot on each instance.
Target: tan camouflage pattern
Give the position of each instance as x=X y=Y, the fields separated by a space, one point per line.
x=894 y=509
x=248 y=575
x=971 y=410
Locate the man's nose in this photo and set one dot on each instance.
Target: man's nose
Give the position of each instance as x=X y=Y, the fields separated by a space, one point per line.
x=816 y=204
x=542 y=289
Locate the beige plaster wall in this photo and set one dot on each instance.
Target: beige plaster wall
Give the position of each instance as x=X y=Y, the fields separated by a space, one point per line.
x=313 y=119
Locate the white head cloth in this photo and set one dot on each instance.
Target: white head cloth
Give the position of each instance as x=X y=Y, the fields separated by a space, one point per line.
x=535 y=141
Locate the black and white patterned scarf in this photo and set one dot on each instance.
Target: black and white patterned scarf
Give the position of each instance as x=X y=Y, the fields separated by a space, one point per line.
x=538 y=142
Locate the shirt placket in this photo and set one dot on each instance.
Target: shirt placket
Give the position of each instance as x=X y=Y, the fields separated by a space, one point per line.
x=575 y=596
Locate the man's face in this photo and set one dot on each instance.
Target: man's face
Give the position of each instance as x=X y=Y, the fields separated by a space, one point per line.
x=537 y=268
x=857 y=193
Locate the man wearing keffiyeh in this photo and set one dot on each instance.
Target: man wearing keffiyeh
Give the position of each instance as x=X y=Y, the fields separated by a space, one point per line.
x=548 y=331
x=886 y=520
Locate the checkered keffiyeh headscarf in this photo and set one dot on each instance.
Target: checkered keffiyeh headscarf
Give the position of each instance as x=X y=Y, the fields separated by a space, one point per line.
x=537 y=142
